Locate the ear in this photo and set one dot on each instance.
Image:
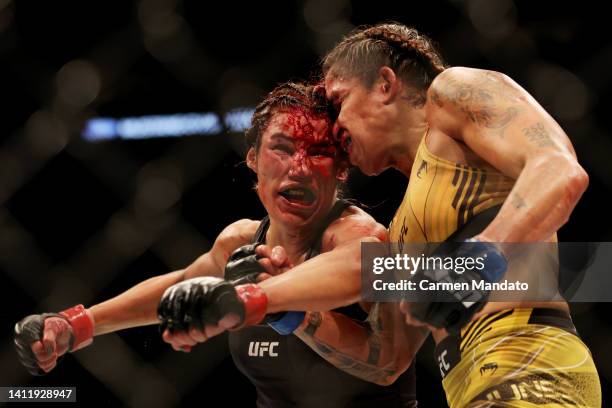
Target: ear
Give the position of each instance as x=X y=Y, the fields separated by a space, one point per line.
x=388 y=84
x=342 y=175
x=251 y=159
x=319 y=89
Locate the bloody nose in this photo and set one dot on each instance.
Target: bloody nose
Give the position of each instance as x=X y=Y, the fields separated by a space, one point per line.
x=300 y=165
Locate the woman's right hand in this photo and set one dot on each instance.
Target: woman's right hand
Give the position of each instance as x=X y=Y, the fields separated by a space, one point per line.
x=41 y=339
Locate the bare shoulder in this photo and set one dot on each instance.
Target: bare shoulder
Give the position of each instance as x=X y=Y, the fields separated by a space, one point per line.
x=354 y=223
x=212 y=263
x=460 y=97
x=454 y=77
x=237 y=234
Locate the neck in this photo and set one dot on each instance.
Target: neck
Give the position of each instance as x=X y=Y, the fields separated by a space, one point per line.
x=296 y=240
x=407 y=137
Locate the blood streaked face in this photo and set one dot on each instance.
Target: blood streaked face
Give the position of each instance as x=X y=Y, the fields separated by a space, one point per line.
x=312 y=138
x=298 y=167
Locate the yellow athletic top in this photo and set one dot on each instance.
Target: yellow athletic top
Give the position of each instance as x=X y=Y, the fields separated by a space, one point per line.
x=442 y=196
x=509 y=358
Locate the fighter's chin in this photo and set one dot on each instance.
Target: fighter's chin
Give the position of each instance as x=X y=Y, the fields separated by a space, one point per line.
x=368 y=167
x=369 y=171
x=296 y=213
x=377 y=170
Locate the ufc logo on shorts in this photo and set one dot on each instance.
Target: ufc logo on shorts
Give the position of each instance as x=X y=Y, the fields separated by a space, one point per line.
x=261 y=348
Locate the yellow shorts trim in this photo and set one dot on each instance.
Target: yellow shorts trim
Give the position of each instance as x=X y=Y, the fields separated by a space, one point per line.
x=520 y=358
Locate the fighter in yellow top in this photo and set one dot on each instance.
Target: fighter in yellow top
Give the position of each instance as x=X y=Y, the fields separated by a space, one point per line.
x=469 y=140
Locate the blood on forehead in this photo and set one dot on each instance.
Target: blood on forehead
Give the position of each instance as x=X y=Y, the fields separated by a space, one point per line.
x=312 y=136
x=308 y=128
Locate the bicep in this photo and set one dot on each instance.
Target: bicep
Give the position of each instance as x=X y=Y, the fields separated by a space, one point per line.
x=495 y=117
x=355 y=227
x=205 y=265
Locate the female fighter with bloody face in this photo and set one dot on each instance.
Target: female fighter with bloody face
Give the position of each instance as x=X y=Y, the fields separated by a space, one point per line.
x=469 y=140
x=298 y=167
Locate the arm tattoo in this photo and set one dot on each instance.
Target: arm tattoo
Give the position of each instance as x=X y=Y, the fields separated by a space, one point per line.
x=486 y=103
x=538 y=135
x=369 y=368
x=374 y=327
x=314 y=321
x=436 y=98
x=374 y=343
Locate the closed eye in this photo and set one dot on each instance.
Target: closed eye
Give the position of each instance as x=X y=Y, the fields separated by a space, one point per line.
x=335 y=100
x=337 y=104
x=283 y=148
x=323 y=151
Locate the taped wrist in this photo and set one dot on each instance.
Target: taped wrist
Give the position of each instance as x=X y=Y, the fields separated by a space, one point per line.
x=453 y=308
x=82 y=326
x=286 y=323
x=255 y=303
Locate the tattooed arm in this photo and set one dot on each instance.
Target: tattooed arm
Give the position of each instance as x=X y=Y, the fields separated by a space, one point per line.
x=378 y=350
x=506 y=126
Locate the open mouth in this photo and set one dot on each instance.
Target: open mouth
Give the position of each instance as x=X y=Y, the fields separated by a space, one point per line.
x=298 y=195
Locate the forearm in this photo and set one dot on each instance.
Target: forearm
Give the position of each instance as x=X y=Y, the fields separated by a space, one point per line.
x=541 y=201
x=350 y=346
x=325 y=282
x=134 y=307
x=378 y=350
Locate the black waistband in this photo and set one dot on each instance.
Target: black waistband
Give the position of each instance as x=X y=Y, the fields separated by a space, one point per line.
x=448 y=351
x=553 y=317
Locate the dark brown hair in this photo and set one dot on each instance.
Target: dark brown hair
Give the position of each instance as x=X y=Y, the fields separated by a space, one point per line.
x=363 y=52
x=286 y=96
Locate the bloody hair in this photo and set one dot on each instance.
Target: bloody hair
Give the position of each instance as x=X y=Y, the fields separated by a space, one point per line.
x=286 y=96
x=363 y=52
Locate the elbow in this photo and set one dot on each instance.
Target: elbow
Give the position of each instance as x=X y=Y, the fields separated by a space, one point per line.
x=576 y=184
x=579 y=181
x=570 y=181
x=395 y=364
x=392 y=373
x=387 y=380
x=576 y=181
x=565 y=170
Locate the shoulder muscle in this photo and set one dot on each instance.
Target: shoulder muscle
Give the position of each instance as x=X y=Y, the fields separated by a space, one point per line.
x=460 y=97
x=233 y=236
x=353 y=224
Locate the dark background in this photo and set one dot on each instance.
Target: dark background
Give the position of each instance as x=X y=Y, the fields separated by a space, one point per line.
x=80 y=222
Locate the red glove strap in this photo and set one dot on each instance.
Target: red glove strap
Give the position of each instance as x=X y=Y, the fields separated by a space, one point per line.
x=82 y=326
x=255 y=303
